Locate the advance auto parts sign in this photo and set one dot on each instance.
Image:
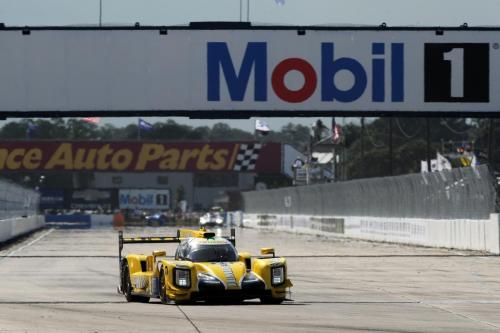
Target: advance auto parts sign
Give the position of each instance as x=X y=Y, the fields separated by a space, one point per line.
x=251 y=70
x=139 y=157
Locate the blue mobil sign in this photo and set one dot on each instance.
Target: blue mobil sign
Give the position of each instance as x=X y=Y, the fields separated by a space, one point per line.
x=144 y=199
x=220 y=64
x=188 y=71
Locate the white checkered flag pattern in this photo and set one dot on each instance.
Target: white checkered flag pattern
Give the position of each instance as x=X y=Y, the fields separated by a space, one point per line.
x=247 y=157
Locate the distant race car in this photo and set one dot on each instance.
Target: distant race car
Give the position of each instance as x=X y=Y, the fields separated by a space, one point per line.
x=212 y=219
x=157 y=218
x=205 y=268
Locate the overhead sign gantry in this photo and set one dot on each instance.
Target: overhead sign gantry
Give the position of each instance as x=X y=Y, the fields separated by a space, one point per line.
x=241 y=70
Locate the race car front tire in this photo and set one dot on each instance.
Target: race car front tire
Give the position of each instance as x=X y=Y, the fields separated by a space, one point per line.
x=127 y=288
x=163 y=288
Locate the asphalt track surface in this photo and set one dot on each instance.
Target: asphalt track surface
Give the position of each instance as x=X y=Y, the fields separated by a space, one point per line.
x=65 y=281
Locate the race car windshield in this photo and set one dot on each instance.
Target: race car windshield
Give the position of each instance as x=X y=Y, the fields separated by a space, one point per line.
x=213 y=253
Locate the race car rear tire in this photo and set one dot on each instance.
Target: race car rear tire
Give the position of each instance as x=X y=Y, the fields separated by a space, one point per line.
x=127 y=287
x=271 y=300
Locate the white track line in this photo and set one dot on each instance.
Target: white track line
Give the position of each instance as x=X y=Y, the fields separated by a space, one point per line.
x=30 y=243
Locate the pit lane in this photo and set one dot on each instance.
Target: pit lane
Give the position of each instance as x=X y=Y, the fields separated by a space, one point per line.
x=65 y=281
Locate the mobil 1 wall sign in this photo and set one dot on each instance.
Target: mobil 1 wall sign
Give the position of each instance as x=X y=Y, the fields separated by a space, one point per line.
x=258 y=70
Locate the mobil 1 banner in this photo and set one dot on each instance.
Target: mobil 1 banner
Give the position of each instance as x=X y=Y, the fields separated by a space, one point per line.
x=457 y=72
x=251 y=70
x=144 y=199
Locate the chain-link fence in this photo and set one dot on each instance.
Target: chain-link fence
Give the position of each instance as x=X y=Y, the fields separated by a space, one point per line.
x=17 y=201
x=466 y=193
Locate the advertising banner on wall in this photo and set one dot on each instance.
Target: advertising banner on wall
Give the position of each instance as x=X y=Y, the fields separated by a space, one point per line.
x=139 y=156
x=91 y=199
x=52 y=198
x=258 y=69
x=144 y=199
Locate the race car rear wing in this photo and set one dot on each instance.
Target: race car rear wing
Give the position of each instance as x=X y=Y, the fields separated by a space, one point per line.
x=181 y=234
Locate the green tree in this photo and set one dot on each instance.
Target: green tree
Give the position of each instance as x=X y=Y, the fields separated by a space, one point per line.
x=81 y=130
x=14 y=130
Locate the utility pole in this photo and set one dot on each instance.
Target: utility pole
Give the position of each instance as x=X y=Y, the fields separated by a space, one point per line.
x=334 y=165
x=391 y=169
x=241 y=10
x=491 y=140
x=428 y=139
x=362 y=146
x=100 y=13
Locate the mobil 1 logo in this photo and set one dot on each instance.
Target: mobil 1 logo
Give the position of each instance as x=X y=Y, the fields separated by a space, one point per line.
x=457 y=72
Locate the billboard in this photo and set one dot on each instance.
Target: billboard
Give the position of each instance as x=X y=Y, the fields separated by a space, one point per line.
x=91 y=199
x=52 y=198
x=144 y=199
x=256 y=70
x=139 y=156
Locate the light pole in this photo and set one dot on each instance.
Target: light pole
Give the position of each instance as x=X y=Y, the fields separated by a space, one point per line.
x=241 y=10
x=248 y=10
x=100 y=13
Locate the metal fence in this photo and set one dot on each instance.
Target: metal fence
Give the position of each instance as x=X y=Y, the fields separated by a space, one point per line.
x=17 y=201
x=467 y=193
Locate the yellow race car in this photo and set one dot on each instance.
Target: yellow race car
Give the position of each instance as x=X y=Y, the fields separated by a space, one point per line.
x=205 y=268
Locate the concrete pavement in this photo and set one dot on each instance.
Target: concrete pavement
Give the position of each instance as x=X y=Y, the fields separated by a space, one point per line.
x=65 y=281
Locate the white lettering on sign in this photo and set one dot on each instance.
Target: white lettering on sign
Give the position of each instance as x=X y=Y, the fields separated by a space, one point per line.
x=456 y=58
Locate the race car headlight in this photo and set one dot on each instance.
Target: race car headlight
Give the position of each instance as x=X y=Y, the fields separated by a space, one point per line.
x=219 y=221
x=206 y=277
x=277 y=275
x=182 y=278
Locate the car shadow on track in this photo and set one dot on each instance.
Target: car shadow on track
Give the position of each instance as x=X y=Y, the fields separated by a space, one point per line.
x=228 y=303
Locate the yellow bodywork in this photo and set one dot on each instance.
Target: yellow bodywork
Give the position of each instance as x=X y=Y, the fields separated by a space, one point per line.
x=154 y=276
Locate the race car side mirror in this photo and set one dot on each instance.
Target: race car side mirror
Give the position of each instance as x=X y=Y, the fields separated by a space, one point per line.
x=246 y=258
x=267 y=250
x=159 y=254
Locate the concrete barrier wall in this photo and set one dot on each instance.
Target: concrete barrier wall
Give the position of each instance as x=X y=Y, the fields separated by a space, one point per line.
x=466 y=193
x=101 y=220
x=79 y=220
x=15 y=227
x=465 y=234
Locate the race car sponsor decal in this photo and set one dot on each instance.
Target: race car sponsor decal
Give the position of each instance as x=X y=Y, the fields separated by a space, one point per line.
x=211 y=241
x=228 y=273
x=275 y=261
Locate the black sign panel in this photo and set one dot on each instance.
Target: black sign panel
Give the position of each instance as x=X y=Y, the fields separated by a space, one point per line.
x=457 y=72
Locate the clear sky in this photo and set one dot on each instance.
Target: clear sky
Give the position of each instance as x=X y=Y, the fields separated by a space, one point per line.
x=393 y=12
x=293 y=12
